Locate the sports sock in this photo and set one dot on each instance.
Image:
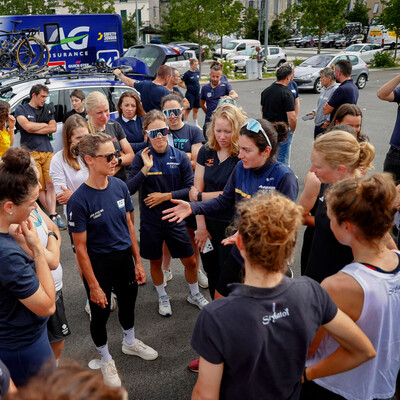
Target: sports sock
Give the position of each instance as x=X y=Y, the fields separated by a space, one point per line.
x=194 y=288
x=104 y=353
x=161 y=290
x=129 y=336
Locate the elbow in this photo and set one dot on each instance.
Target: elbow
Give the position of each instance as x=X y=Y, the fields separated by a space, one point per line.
x=370 y=354
x=47 y=311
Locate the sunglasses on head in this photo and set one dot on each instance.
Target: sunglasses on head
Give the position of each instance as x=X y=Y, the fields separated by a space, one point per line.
x=175 y=111
x=254 y=126
x=153 y=133
x=110 y=156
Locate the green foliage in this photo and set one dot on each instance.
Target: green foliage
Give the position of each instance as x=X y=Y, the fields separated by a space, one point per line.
x=390 y=17
x=229 y=67
x=24 y=7
x=321 y=16
x=90 y=6
x=359 y=13
x=277 y=32
x=249 y=23
x=129 y=30
x=383 y=60
x=297 y=61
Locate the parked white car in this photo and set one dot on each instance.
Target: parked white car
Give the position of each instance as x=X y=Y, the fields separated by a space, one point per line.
x=364 y=51
x=276 y=57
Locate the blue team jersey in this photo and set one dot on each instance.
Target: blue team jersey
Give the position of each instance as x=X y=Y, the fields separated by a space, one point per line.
x=192 y=81
x=102 y=214
x=211 y=95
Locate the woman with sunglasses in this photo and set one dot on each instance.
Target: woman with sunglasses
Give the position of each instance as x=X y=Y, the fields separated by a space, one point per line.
x=101 y=221
x=187 y=138
x=256 y=171
x=163 y=173
x=253 y=345
x=131 y=114
x=98 y=111
x=361 y=212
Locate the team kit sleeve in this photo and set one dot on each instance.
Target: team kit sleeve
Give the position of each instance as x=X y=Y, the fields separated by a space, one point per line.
x=128 y=201
x=186 y=179
x=136 y=176
x=201 y=156
x=197 y=136
x=119 y=131
x=203 y=93
x=289 y=186
x=336 y=98
x=396 y=93
x=77 y=214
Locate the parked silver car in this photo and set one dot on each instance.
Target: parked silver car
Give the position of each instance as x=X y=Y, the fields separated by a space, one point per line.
x=276 y=57
x=307 y=73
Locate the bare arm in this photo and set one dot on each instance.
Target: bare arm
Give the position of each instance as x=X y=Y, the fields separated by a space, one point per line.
x=297 y=106
x=233 y=94
x=194 y=151
x=124 y=79
x=139 y=270
x=185 y=103
x=209 y=381
x=96 y=292
x=203 y=106
x=355 y=348
x=312 y=186
x=386 y=91
x=292 y=120
x=327 y=109
x=39 y=128
x=127 y=152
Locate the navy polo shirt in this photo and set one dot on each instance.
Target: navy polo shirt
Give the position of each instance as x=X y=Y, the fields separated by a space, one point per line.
x=347 y=92
x=211 y=95
x=151 y=94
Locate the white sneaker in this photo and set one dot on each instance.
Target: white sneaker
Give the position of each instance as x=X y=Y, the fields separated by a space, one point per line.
x=198 y=300
x=138 y=348
x=110 y=374
x=202 y=279
x=164 y=308
x=167 y=276
x=113 y=304
x=87 y=309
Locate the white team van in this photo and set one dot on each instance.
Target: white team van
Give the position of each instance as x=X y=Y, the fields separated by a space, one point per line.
x=234 y=47
x=377 y=34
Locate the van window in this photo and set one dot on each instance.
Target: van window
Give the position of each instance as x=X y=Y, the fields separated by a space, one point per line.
x=274 y=50
x=241 y=47
x=53 y=97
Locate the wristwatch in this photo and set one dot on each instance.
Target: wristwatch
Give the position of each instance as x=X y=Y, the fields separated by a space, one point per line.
x=200 y=196
x=51 y=233
x=119 y=161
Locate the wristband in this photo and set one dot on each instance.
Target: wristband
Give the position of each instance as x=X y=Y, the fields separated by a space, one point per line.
x=40 y=254
x=200 y=196
x=118 y=75
x=305 y=375
x=51 y=233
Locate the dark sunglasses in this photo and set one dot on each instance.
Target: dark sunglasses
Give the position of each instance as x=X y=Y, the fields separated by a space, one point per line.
x=175 y=111
x=254 y=126
x=110 y=156
x=153 y=133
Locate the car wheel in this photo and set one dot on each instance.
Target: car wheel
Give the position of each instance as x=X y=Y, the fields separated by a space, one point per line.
x=317 y=86
x=361 y=81
x=392 y=45
x=280 y=63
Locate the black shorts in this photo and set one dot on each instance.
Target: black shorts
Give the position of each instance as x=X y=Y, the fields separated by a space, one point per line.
x=175 y=236
x=57 y=325
x=190 y=222
x=231 y=272
x=194 y=100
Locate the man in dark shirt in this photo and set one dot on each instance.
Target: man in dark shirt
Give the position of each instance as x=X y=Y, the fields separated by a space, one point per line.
x=347 y=92
x=277 y=101
x=390 y=91
x=151 y=92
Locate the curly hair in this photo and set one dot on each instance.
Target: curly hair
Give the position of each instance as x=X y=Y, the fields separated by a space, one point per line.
x=4 y=109
x=233 y=114
x=268 y=225
x=367 y=203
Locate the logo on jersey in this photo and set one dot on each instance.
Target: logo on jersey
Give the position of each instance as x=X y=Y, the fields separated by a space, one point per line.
x=121 y=203
x=275 y=316
x=209 y=162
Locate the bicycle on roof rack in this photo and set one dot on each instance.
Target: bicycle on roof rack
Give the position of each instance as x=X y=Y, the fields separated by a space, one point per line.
x=20 y=49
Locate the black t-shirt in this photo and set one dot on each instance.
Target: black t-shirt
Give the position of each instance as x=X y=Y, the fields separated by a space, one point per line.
x=327 y=255
x=114 y=129
x=73 y=112
x=33 y=141
x=216 y=174
x=276 y=101
x=262 y=336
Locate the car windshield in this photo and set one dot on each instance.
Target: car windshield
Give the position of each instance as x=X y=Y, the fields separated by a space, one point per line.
x=229 y=46
x=354 y=47
x=146 y=54
x=319 y=61
x=247 y=52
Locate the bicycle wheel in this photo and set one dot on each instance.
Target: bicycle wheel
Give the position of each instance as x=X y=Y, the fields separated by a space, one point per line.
x=33 y=53
x=8 y=59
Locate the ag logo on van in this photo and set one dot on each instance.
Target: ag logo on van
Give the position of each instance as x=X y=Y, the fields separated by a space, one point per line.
x=77 y=38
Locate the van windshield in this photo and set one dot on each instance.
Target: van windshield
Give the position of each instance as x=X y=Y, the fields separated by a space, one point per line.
x=229 y=46
x=146 y=54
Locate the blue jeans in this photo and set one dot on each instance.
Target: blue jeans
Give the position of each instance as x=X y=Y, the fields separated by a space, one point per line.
x=284 y=150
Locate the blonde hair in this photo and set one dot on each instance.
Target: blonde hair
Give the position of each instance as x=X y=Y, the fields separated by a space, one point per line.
x=342 y=148
x=237 y=117
x=93 y=100
x=268 y=225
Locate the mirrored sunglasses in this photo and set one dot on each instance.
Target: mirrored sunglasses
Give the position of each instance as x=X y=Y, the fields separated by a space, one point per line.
x=175 y=111
x=254 y=126
x=153 y=133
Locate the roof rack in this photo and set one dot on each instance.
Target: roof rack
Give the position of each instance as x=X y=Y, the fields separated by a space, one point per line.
x=58 y=72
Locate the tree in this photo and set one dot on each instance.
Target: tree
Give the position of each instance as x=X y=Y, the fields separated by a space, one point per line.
x=129 y=30
x=187 y=18
x=277 y=31
x=390 y=18
x=24 y=7
x=90 y=6
x=225 y=18
x=321 y=16
x=359 y=13
x=249 y=23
